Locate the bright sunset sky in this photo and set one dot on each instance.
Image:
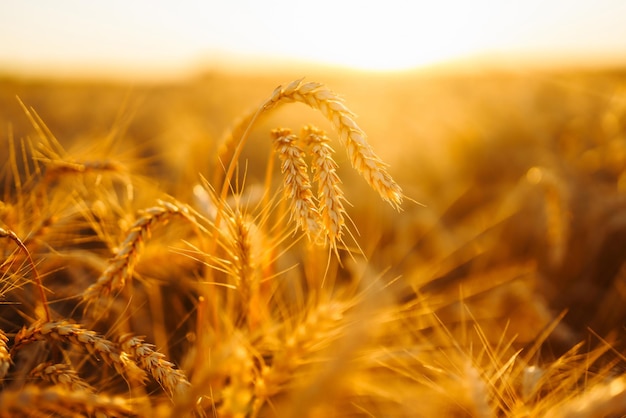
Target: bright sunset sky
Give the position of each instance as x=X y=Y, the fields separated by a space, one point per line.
x=69 y=36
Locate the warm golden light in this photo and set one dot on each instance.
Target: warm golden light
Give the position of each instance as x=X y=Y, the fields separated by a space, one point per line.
x=74 y=36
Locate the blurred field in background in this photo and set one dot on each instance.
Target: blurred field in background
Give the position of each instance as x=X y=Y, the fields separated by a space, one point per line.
x=522 y=177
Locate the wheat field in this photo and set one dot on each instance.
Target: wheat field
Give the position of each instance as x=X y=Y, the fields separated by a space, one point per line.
x=223 y=247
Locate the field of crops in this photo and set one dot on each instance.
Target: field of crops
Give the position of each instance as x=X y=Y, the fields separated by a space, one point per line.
x=343 y=245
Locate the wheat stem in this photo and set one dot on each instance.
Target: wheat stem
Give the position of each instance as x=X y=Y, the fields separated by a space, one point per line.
x=5 y=233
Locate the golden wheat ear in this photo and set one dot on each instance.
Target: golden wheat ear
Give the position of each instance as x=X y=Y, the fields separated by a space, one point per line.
x=352 y=137
x=296 y=182
x=172 y=380
x=329 y=193
x=121 y=267
x=361 y=154
x=95 y=344
x=60 y=374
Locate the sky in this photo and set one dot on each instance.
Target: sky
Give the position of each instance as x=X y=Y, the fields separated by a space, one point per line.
x=167 y=37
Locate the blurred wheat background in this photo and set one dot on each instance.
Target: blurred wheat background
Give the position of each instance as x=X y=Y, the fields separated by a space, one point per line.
x=231 y=242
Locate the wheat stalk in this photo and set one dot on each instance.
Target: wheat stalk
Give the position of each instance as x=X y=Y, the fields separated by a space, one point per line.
x=95 y=345
x=172 y=380
x=121 y=267
x=5 y=233
x=316 y=96
x=61 y=374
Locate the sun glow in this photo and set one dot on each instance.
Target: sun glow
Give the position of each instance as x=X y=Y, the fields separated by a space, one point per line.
x=78 y=36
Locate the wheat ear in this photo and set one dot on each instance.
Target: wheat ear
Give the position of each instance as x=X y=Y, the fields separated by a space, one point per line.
x=60 y=374
x=329 y=194
x=172 y=380
x=296 y=183
x=316 y=96
x=5 y=233
x=95 y=344
x=121 y=267
x=33 y=401
x=5 y=357
x=245 y=266
x=361 y=154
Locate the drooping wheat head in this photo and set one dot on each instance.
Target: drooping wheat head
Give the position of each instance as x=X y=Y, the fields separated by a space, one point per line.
x=121 y=267
x=361 y=154
x=172 y=380
x=94 y=344
x=317 y=96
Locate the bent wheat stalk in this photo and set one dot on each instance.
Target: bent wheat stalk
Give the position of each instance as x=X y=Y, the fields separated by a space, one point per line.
x=6 y=233
x=121 y=267
x=316 y=96
x=361 y=154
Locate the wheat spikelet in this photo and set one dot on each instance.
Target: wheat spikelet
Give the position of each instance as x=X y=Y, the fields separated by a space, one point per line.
x=245 y=265
x=5 y=357
x=172 y=380
x=296 y=183
x=61 y=374
x=95 y=344
x=329 y=194
x=33 y=401
x=121 y=267
x=361 y=154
